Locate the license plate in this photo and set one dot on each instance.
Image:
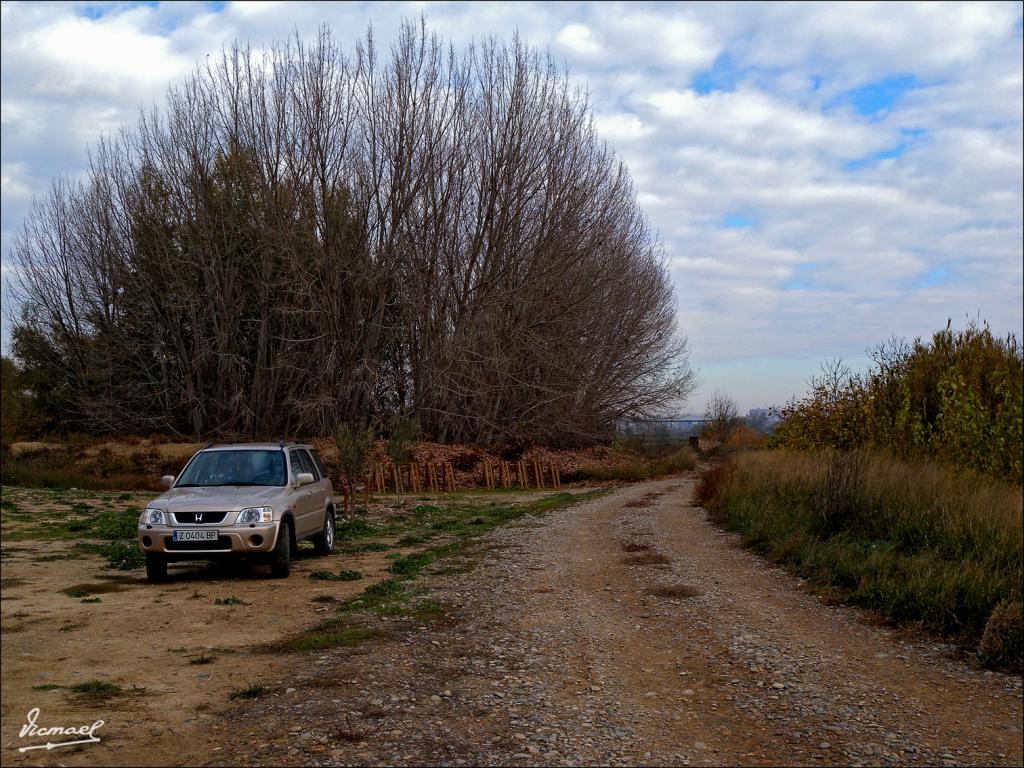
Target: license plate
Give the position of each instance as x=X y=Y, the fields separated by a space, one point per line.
x=195 y=535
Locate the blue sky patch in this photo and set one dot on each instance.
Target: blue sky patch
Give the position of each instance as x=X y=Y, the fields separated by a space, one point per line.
x=800 y=280
x=722 y=76
x=97 y=11
x=875 y=98
x=738 y=221
x=911 y=137
x=934 y=277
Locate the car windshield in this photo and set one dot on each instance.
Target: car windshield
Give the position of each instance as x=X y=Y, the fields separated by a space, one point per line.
x=246 y=467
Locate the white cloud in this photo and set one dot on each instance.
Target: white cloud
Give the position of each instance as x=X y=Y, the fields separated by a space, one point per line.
x=796 y=227
x=578 y=39
x=86 y=54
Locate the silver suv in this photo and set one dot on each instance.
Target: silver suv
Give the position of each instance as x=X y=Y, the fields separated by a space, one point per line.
x=249 y=500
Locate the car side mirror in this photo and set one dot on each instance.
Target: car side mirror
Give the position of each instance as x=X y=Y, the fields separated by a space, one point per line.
x=167 y=480
x=304 y=478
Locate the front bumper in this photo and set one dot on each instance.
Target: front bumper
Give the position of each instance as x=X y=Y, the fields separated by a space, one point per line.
x=252 y=539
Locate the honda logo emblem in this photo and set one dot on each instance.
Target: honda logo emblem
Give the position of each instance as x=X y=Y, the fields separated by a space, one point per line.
x=199 y=517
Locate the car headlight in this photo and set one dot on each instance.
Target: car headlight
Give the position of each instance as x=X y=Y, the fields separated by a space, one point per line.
x=153 y=517
x=255 y=515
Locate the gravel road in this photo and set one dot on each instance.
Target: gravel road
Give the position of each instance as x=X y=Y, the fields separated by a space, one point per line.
x=630 y=630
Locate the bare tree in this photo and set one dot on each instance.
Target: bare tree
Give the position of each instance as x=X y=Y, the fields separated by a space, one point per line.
x=303 y=236
x=721 y=416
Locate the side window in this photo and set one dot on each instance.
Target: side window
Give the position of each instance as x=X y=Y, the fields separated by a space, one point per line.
x=296 y=465
x=308 y=465
x=317 y=463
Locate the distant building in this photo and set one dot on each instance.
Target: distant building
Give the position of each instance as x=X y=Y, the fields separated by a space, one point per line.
x=761 y=419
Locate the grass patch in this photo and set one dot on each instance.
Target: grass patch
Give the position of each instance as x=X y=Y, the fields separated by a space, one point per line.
x=45 y=687
x=92 y=600
x=409 y=541
x=229 y=601
x=355 y=528
x=96 y=690
x=340 y=576
x=426 y=609
x=119 y=555
x=324 y=599
x=93 y=588
x=912 y=541
x=202 y=657
x=370 y=546
x=329 y=633
x=251 y=691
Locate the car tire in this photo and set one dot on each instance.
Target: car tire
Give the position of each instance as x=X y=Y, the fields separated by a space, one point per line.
x=156 y=567
x=281 y=559
x=323 y=542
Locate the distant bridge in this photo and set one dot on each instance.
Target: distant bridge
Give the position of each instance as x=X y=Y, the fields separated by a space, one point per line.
x=669 y=423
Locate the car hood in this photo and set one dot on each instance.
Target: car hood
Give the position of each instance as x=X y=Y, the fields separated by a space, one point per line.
x=217 y=499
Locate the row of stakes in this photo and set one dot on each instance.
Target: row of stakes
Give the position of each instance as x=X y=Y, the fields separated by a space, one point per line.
x=439 y=477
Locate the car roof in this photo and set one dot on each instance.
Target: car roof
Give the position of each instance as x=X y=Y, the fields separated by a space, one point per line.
x=256 y=446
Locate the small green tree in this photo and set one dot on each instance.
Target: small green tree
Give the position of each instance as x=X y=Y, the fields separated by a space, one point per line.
x=353 y=443
x=402 y=431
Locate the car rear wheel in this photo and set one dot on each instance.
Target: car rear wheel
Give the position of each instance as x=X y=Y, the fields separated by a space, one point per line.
x=156 y=567
x=281 y=562
x=324 y=541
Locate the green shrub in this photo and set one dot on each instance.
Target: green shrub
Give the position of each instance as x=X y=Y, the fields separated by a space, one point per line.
x=957 y=397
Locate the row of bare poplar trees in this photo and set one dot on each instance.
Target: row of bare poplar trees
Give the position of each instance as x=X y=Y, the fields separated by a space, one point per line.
x=301 y=237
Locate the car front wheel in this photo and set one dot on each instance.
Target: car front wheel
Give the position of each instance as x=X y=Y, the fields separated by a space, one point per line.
x=281 y=562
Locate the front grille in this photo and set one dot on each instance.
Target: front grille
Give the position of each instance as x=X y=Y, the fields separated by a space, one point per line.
x=200 y=518
x=222 y=542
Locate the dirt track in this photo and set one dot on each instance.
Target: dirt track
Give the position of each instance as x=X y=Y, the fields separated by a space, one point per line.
x=562 y=647
x=555 y=652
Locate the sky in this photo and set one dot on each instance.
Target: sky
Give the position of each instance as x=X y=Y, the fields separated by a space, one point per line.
x=823 y=176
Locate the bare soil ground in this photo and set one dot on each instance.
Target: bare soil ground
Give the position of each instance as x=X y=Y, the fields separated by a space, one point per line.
x=116 y=628
x=619 y=630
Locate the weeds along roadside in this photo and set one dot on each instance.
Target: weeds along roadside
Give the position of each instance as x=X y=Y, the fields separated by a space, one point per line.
x=920 y=544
